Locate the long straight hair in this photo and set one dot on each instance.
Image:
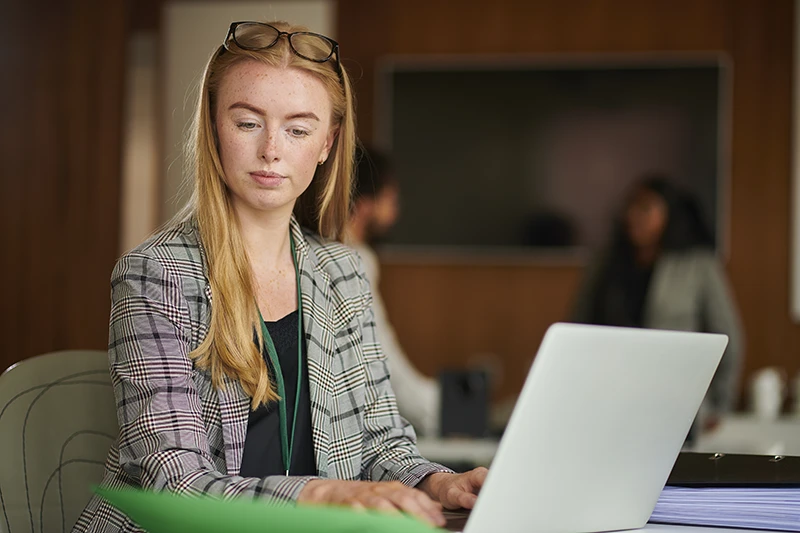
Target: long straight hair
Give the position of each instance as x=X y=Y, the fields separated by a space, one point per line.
x=229 y=348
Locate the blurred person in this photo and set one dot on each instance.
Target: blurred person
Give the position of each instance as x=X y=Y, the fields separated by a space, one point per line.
x=373 y=212
x=242 y=342
x=659 y=271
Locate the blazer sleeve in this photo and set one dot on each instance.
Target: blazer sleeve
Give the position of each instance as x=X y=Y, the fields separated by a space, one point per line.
x=721 y=316
x=390 y=450
x=163 y=443
x=418 y=396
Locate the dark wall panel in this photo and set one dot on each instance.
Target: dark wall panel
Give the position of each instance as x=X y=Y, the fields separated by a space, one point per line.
x=60 y=142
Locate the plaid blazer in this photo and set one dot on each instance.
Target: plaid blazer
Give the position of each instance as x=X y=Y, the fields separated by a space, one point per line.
x=178 y=433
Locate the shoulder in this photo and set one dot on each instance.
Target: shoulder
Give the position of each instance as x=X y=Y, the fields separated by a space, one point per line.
x=164 y=276
x=698 y=257
x=174 y=251
x=369 y=260
x=338 y=260
x=343 y=272
x=696 y=265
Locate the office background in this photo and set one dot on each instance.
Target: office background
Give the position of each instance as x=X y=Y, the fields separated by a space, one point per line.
x=70 y=201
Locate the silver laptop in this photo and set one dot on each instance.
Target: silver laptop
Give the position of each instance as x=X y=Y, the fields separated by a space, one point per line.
x=596 y=430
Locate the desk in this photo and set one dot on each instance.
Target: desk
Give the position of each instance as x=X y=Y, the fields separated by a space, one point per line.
x=748 y=434
x=736 y=433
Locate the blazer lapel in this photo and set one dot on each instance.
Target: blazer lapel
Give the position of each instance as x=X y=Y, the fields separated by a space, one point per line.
x=234 y=403
x=234 y=406
x=316 y=304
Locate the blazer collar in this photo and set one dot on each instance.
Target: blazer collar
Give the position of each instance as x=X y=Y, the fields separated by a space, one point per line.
x=319 y=337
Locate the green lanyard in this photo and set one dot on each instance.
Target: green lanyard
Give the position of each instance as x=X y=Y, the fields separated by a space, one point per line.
x=286 y=443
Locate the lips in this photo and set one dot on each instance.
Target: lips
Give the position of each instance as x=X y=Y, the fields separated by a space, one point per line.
x=267 y=179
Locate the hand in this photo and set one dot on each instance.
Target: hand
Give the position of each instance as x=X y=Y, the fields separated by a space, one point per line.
x=389 y=496
x=455 y=490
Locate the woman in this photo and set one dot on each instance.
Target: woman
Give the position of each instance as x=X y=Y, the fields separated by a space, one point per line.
x=660 y=272
x=242 y=345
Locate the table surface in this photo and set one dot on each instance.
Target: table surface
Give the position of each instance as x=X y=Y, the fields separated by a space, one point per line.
x=749 y=434
x=736 y=433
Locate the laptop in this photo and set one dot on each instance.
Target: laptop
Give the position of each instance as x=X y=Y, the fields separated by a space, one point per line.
x=597 y=427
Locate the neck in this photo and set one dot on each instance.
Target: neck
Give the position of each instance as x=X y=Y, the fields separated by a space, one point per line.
x=265 y=237
x=646 y=255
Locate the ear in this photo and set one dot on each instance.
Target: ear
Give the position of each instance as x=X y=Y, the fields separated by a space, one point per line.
x=326 y=150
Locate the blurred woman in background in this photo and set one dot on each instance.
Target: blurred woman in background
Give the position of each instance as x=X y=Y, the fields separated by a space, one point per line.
x=659 y=271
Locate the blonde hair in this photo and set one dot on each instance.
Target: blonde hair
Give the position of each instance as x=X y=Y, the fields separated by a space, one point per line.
x=228 y=349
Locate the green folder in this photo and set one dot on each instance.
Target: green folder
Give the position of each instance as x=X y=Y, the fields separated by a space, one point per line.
x=165 y=512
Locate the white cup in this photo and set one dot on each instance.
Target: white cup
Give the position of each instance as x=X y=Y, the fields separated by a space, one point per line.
x=768 y=389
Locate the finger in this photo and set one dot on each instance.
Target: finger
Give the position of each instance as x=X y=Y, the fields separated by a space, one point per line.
x=411 y=501
x=466 y=500
x=386 y=487
x=451 y=496
x=426 y=501
x=418 y=503
x=478 y=476
x=380 y=503
x=354 y=504
x=433 y=509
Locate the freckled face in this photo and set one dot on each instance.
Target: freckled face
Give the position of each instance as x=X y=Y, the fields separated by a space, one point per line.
x=274 y=127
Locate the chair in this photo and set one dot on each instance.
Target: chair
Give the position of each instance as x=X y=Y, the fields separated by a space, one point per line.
x=57 y=422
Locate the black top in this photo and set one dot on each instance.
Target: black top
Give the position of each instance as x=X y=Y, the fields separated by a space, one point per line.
x=638 y=286
x=620 y=297
x=262 y=447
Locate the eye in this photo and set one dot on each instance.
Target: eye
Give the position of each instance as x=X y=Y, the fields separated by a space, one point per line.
x=298 y=132
x=244 y=125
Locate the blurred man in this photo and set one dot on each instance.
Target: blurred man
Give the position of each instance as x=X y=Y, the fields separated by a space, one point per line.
x=374 y=211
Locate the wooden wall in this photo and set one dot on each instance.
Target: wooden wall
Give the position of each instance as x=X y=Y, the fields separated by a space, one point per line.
x=61 y=99
x=444 y=312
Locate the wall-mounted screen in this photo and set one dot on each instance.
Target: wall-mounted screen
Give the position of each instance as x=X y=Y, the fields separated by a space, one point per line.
x=530 y=154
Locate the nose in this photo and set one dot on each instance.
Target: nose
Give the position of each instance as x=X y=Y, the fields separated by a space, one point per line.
x=270 y=149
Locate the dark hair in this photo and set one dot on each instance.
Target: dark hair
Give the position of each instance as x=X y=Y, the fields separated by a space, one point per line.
x=685 y=228
x=372 y=173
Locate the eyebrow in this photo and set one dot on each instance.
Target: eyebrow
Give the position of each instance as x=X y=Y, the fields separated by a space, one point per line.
x=258 y=110
x=249 y=107
x=307 y=114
